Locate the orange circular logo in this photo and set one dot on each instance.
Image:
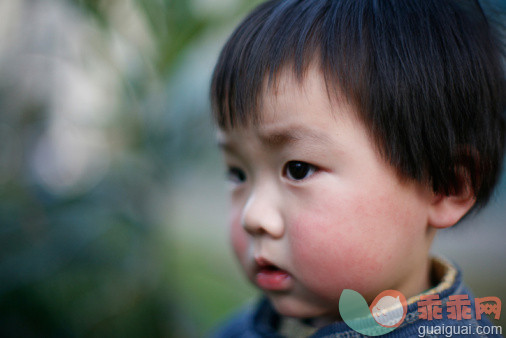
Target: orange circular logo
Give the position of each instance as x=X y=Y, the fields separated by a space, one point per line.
x=389 y=308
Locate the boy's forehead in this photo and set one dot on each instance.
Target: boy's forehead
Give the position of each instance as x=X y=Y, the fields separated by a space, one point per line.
x=287 y=82
x=292 y=110
x=282 y=113
x=286 y=90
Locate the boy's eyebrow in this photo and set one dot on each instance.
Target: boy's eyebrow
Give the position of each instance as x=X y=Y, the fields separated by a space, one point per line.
x=226 y=146
x=280 y=138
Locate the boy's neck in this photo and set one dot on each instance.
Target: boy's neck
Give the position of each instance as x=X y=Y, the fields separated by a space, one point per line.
x=419 y=283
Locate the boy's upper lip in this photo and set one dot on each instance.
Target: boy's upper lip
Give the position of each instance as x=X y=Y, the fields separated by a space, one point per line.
x=262 y=262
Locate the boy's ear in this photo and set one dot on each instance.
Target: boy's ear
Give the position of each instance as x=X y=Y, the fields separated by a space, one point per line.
x=447 y=210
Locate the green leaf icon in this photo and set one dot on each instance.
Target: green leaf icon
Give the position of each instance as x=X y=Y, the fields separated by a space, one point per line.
x=355 y=313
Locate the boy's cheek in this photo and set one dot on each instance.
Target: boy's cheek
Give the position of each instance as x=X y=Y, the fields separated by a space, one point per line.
x=331 y=257
x=238 y=237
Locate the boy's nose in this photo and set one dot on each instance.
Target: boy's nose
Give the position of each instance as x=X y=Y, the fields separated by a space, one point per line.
x=261 y=215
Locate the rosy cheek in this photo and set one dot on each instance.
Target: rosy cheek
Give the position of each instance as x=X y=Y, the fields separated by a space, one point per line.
x=238 y=237
x=313 y=251
x=329 y=256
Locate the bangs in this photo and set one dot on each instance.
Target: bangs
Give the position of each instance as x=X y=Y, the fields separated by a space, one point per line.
x=280 y=33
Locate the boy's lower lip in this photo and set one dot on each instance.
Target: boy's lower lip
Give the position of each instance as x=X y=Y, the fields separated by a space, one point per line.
x=273 y=280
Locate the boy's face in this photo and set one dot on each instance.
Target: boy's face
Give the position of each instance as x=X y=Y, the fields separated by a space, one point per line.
x=316 y=210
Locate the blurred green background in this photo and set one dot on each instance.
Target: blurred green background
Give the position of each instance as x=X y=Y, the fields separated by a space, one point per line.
x=112 y=202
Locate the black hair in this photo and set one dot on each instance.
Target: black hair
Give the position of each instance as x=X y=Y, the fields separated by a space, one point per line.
x=426 y=77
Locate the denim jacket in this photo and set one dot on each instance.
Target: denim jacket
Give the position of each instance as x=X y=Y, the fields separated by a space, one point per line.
x=262 y=320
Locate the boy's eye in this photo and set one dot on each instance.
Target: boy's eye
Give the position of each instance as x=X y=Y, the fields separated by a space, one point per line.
x=236 y=175
x=297 y=170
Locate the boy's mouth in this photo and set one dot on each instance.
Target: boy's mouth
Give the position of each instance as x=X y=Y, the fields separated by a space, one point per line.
x=270 y=277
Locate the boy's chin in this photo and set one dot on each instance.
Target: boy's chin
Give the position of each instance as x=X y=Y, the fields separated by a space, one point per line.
x=290 y=306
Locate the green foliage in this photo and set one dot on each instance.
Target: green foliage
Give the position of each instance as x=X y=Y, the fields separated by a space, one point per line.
x=87 y=247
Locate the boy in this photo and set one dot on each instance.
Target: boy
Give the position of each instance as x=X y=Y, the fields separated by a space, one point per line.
x=352 y=130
